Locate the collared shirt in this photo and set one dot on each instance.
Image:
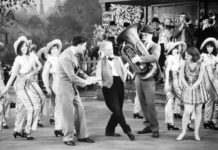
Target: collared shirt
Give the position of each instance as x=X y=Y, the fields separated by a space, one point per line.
x=113 y=70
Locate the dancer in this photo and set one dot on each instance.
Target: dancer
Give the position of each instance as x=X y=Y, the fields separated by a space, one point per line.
x=112 y=74
x=24 y=69
x=194 y=92
x=69 y=76
x=173 y=62
x=52 y=51
x=35 y=84
x=4 y=102
x=208 y=49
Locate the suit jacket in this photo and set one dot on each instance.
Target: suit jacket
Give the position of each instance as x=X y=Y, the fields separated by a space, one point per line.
x=104 y=72
x=153 y=57
x=189 y=34
x=68 y=74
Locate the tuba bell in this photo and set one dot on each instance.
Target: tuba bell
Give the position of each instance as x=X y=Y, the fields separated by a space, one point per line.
x=133 y=46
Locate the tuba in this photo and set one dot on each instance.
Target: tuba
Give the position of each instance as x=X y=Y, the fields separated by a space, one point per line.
x=133 y=46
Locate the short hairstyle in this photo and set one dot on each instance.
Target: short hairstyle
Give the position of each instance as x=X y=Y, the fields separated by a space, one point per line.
x=19 y=48
x=104 y=45
x=183 y=13
x=204 y=50
x=79 y=40
x=194 y=52
x=55 y=45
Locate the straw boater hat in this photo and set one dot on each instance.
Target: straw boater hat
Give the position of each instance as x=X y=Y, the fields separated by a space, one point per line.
x=2 y=44
x=210 y=39
x=52 y=43
x=33 y=46
x=172 y=45
x=41 y=52
x=17 y=42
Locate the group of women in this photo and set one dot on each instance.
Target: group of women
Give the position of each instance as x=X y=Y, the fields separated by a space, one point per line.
x=30 y=99
x=191 y=77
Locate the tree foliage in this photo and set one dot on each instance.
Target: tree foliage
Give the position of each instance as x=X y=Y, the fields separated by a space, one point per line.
x=74 y=18
x=7 y=10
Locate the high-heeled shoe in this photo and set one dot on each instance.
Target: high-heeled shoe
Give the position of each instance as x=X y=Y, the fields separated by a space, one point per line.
x=180 y=137
x=137 y=116
x=197 y=138
x=52 y=121
x=190 y=128
x=210 y=125
x=58 y=132
x=29 y=137
x=15 y=134
x=170 y=126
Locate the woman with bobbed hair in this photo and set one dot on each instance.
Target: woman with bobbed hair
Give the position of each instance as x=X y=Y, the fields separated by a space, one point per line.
x=24 y=69
x=52 y=51
x=209 y=53
x=194 y=93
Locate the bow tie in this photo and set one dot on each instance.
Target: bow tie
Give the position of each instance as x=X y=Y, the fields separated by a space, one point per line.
x=110 y=58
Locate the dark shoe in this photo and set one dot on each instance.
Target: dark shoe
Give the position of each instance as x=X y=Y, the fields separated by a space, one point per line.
x=190 y=128
x=5 y=127
x=40 y=125
x=145 y=130
x=23 y=133
x=58 y=132
x=29 y=137
x=177 y=116
x=155 y=134
x=131 y=136
x=52 y=121
x=112 y=134
x=170 y=126
x=137 y=116
x=86 y=140
x=210 y=125
x=70 y=143
x=15 y=134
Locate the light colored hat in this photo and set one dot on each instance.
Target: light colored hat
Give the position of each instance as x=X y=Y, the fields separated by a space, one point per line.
x=33 y=46
x=17 y=42
x=52 y=43
x=41 y=52
x=2 y=44
x=172 y=45
x=210 y=39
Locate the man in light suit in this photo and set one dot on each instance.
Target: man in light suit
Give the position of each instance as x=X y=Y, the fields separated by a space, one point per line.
x=68 y=77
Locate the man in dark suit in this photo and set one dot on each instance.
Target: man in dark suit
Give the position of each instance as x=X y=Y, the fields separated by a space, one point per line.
x=184 y=31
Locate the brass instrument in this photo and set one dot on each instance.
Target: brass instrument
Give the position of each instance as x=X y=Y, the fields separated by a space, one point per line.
x=134 y=46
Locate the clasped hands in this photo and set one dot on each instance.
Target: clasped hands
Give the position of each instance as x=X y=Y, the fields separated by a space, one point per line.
x=91 y=80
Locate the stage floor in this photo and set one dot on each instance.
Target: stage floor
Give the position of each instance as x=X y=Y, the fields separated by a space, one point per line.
x=97 y=116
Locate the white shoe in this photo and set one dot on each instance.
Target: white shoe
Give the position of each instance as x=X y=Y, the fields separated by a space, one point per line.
x=180 y=137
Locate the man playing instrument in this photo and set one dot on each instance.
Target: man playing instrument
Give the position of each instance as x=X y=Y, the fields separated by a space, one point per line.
x=146 y=87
